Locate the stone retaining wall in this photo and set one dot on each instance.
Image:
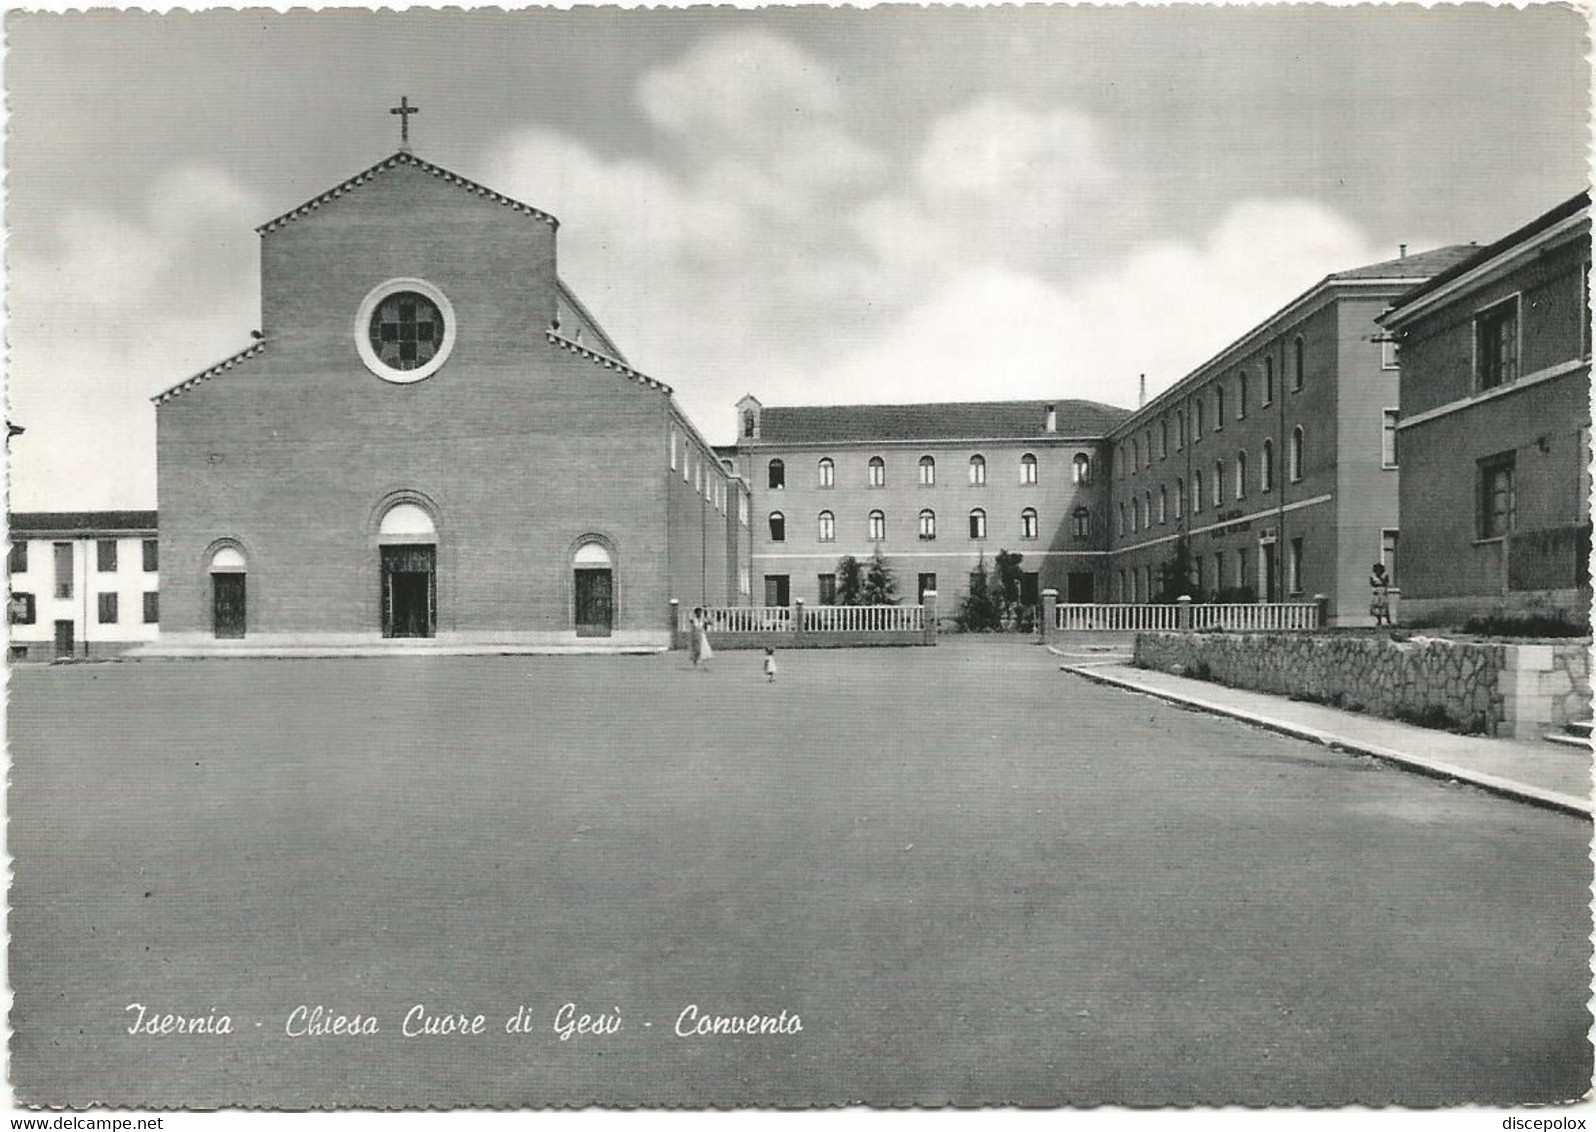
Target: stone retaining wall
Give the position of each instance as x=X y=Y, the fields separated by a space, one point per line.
x=1490 y=688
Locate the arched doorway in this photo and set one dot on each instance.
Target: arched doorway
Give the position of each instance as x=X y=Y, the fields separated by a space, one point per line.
x=595 y=590
x=229 y=572
x=408 y=544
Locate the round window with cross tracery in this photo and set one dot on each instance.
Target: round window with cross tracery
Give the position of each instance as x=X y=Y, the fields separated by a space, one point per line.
x=405 y=330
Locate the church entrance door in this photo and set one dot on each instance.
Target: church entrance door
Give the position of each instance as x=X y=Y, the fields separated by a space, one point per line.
x=595 y=603
x=227 y=604
x=409 y=590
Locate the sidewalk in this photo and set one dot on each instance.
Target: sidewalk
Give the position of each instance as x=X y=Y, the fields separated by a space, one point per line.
x=1539 y=773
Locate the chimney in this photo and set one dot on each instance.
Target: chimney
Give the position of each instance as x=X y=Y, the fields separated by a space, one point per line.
x=1402 y=251
x=1052 y=419
x=1141 y=397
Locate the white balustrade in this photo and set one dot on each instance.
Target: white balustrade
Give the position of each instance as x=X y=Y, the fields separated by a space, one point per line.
x=1239 y=616
x=817 y=619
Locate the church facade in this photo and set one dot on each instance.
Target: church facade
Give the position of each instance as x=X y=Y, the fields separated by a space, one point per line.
x=432 y=438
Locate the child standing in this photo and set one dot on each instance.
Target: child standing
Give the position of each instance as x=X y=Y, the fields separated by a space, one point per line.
x=770 y=665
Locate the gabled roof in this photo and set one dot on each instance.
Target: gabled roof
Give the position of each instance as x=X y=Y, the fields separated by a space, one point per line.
x=1420 y=265
x=557 y=339
x=1573 y=206
x=82 y=522
x=205 y=375
x=404 y=157
x=972 y=420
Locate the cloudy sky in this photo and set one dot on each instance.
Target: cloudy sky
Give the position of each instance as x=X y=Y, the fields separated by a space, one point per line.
x=814 y=205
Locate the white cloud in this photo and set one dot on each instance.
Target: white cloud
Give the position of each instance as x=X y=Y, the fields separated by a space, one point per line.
x=995 y=332
x=120 y=308
x=748 y=85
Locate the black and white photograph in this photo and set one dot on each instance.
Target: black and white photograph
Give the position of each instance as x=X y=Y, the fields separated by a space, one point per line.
x=799 y=557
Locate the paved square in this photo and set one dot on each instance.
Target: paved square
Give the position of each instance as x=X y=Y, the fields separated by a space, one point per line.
x=974 y=879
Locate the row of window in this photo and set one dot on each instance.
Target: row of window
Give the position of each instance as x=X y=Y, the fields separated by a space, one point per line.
x=704 y=473
x=1141 y=583
x=1139 y=451
x=826 y=525
x=105 y=559
x=876 y=471
x=1139 y=515
x=23 y=609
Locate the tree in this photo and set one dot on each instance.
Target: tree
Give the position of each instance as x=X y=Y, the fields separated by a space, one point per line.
x=879 y=587
x=1174 y=574
x=850 y=580
x=1005 y=587
x=977 y=611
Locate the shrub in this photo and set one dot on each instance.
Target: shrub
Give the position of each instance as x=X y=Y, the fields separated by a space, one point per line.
x=1526 y=625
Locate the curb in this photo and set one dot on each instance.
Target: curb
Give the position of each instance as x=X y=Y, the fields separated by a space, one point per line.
x=1433 y=768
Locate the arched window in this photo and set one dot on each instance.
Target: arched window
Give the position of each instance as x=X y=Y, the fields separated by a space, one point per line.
x=1298 y=362
x=1269 y=380
x=1197 y=420
x=1294 y=455
x=1219 y=482
x=1027 y=469
x=1241 y=396
x=828 y=527
x=1136 y=453
x=408 y=555
x=1196 y=493
x=1266 y=467
x=1082 y=465
x=828 y=472
x=1180 y=429
x=1241 y=475
x=878 y=472
x=674 y=439
x=1163 y=504
x=978 y=524
x=978 y=471
x=1219 y=407
x=1147 y=509
x=778 y=527
x=928 y=471
x=778 y=475
x=878 y=526
x=1122 y=519
x=928 y=524
x=1081 y=522
x=1028 y=523
x=1180 y=496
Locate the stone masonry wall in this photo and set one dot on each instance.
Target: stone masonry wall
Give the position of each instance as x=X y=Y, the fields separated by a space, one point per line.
x=1496 y=689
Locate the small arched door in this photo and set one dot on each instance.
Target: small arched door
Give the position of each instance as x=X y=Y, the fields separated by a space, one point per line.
x=409 y=564
x=595 y=591
x=228 y=572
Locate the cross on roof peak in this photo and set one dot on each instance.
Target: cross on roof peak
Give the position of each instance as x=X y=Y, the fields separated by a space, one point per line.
x=404 y=110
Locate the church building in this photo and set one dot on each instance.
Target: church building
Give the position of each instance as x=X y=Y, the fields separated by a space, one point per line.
x=431 y=437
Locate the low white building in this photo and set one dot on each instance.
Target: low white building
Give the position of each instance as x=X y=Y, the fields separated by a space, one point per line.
x=82 y=583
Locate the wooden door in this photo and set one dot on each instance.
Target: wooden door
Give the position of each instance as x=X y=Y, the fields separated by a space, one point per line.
x=64 y=643
x=227 y=604
x=595 y=603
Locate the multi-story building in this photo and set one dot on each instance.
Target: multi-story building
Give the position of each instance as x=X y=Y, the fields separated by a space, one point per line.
x=935 y=488
x=1495 y=426
x=82 y=583
x=1275 y=460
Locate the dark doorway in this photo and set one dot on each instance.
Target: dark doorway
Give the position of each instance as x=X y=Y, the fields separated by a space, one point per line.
x=595 y=603
x=227 y=604
x=409 y=591
x=64 y=643
x=1271 y=567
x=926 y=582
x=1079 y=589
x=776 y=590
x=1030 y=588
